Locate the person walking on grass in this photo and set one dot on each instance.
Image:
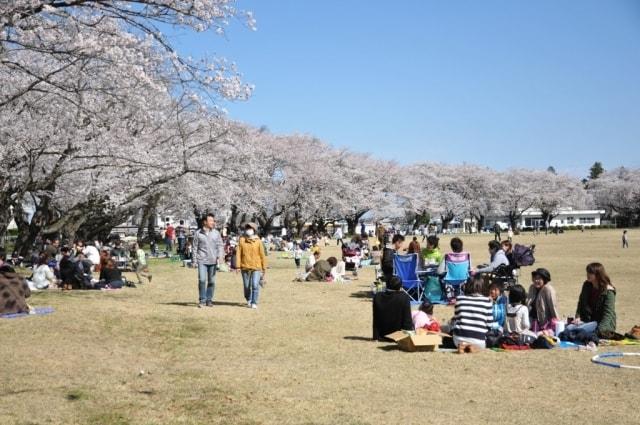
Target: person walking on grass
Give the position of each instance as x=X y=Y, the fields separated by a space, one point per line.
x=625 y=239
x=338 y=235
x=252 y=262
x=140 y=266
x=208 y=251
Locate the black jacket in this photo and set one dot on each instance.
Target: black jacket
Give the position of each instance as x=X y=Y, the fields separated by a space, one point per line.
x=386 y=265
x=110 y=275
x=68 y=270
x=391 y=312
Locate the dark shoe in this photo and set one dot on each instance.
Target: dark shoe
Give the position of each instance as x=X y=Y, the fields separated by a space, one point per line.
x=209 y=303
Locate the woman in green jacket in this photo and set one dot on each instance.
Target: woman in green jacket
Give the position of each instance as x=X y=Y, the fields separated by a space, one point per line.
x=597 y=302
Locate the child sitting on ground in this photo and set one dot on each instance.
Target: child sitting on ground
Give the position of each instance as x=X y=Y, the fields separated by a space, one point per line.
x=423 y=318
x=499 y=306
x=517 y=312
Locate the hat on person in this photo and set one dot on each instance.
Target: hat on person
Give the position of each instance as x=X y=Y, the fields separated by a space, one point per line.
x=254 y=226
x=543 y=273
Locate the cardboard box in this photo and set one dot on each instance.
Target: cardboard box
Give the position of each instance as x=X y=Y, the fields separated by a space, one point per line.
x=414 y=342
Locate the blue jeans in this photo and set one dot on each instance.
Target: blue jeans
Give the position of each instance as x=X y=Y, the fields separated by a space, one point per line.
x=251 y=282
x=206 y=281
x=589 y=327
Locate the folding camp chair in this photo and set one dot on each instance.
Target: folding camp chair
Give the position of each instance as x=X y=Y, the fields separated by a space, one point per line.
x=406 y=268
x=457 y=265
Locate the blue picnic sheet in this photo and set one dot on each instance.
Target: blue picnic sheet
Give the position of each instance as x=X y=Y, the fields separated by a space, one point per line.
x=37 y=311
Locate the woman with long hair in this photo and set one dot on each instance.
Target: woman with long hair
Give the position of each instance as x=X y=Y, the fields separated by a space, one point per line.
x=597 y=302
x=111 y=276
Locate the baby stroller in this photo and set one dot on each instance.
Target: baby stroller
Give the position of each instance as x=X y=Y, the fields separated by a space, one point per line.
x=523 y=255
x=507 y=276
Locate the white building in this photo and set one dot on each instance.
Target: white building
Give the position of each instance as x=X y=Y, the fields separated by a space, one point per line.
x=565 y=217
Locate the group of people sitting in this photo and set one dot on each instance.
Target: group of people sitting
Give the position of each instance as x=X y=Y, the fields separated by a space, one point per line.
x=484 y=314
x=72 y=267
x=456 y=265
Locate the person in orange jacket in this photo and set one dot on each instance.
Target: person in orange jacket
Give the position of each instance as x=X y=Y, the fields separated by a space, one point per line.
x=251 y=261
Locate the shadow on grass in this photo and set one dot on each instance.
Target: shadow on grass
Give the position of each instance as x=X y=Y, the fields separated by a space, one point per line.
x=358 y=338
x=362 y=294
x=195 y=304
x=393 y=347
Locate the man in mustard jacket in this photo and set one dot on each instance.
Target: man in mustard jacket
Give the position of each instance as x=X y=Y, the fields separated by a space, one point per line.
x=251 y=261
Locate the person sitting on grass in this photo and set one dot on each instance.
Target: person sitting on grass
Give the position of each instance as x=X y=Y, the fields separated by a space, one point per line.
x=542 y=302
x=457 y=255
x=473 y=316
x=414 y=246
x=338 y=273
x=597 y=303
x=432 y=254
x=110 y=276
x=43 y=276
x=391 y=310
x=321 y=271
x=68 y=268
x=499 y=306
x=311 y=261
x=14 y=291
x=517 y=321
x=423 y=318
x=497 y=258
x=388 y=253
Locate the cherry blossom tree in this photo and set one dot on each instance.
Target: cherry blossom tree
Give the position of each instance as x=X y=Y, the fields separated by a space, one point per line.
x=618 y=191
x=555 y=191
x=41 y=39
x=516 y=191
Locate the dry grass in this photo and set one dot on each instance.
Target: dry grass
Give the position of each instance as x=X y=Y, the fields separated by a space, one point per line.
x=302 y=358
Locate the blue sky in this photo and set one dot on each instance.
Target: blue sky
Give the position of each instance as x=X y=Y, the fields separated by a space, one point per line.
x=498 y=83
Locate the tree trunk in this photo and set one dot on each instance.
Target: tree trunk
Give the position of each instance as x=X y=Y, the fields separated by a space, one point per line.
x=5 y=219
x=513 y=219
x=299 y=224
x=233 y=220
x=480 y=218
x=446 y=219
x=28 y=232
x=287 y=221
x=352 y=221
x=144 y=218
x=151 y=223
x=320 y=225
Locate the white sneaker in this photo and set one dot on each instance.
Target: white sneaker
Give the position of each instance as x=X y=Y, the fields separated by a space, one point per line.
x=249 y=304
x=254 y=305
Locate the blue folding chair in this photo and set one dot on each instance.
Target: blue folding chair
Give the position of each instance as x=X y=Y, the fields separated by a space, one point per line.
x=406 y=268
x=458 y=266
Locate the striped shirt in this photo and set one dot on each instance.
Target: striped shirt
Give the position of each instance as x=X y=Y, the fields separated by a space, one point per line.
x=473 y=317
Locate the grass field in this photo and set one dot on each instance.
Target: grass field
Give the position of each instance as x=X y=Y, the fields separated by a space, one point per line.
x=148 y=356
